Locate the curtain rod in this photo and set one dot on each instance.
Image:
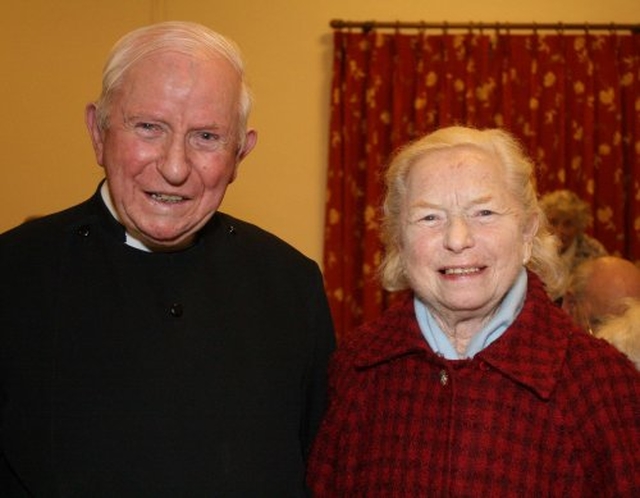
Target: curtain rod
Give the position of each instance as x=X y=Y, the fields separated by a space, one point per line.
x=559 y=26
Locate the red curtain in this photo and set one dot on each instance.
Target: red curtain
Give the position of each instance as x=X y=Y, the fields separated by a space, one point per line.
x=572 y=99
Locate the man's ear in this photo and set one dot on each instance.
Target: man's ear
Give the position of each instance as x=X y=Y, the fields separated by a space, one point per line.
x=249 y=143
x=95 y=132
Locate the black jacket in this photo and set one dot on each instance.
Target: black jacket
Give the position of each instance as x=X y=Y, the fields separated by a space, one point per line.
x=125 y=373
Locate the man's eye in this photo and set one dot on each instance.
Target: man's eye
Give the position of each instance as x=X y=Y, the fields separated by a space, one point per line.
x=207 y=140
x=485 y=212
x=208 y=136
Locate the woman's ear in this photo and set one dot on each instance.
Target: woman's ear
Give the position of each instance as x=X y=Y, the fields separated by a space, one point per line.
x=528 y=235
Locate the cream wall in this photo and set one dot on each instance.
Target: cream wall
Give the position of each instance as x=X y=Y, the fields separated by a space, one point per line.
x=52 y=54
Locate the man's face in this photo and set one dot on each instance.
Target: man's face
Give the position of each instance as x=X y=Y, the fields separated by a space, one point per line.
x=171 y=146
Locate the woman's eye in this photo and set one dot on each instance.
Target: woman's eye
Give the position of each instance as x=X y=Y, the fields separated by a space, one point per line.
x=430 y=218
x=485 y=212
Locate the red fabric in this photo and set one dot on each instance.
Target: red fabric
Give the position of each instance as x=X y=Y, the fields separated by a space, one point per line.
x=571 y=99
x=546 y=410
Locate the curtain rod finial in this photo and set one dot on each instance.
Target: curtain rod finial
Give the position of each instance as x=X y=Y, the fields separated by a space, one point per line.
x=368 y=26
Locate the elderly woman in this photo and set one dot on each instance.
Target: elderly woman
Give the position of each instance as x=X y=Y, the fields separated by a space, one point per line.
x=476 y=384
x=569 y=217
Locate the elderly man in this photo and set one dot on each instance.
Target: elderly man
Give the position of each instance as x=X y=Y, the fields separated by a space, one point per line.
x=623 y=330
x=597 y=289
x=149 y=344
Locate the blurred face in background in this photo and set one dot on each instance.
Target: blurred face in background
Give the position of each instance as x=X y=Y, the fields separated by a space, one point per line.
x=599 y=289
x=564 y=227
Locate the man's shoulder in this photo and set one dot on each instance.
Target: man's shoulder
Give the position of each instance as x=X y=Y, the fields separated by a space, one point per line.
x=250 y=237
x=47 y=226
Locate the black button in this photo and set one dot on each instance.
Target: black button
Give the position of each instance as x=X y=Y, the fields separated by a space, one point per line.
x=176 y=310
x=84 y=231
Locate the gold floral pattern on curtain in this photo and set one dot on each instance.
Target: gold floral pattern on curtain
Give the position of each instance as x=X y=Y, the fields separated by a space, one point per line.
x=572 y=99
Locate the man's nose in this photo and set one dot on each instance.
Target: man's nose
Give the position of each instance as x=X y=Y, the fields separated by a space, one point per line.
x=175 y=165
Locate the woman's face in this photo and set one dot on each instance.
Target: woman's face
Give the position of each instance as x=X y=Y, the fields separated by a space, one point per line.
x=464 y=237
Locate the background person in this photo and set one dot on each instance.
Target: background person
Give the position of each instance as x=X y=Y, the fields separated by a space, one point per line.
x=569 y=217
x=623 y=330
x=149 y=344
x=477 y=384
x=598 y=287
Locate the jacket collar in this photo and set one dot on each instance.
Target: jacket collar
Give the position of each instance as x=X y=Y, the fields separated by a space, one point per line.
x=531 y=352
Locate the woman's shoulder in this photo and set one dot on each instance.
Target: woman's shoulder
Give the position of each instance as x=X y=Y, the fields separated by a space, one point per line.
x=598 y=370
x=589 y=247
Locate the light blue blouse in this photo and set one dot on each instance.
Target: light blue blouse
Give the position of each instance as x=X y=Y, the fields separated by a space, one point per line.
x=504 y=316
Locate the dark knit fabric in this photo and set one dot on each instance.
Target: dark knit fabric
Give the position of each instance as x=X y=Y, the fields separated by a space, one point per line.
x=546 y=410
x=199 y=373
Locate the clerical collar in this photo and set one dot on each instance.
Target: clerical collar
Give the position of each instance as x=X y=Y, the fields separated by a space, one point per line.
x=503 y=318
x=129 y=239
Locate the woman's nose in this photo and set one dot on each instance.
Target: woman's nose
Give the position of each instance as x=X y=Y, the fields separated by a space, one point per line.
x=458 y=234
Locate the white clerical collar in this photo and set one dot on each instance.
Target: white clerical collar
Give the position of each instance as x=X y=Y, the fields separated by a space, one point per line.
x=129 y=239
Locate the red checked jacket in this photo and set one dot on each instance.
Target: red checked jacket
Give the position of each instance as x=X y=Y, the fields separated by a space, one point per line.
x=545 y=411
